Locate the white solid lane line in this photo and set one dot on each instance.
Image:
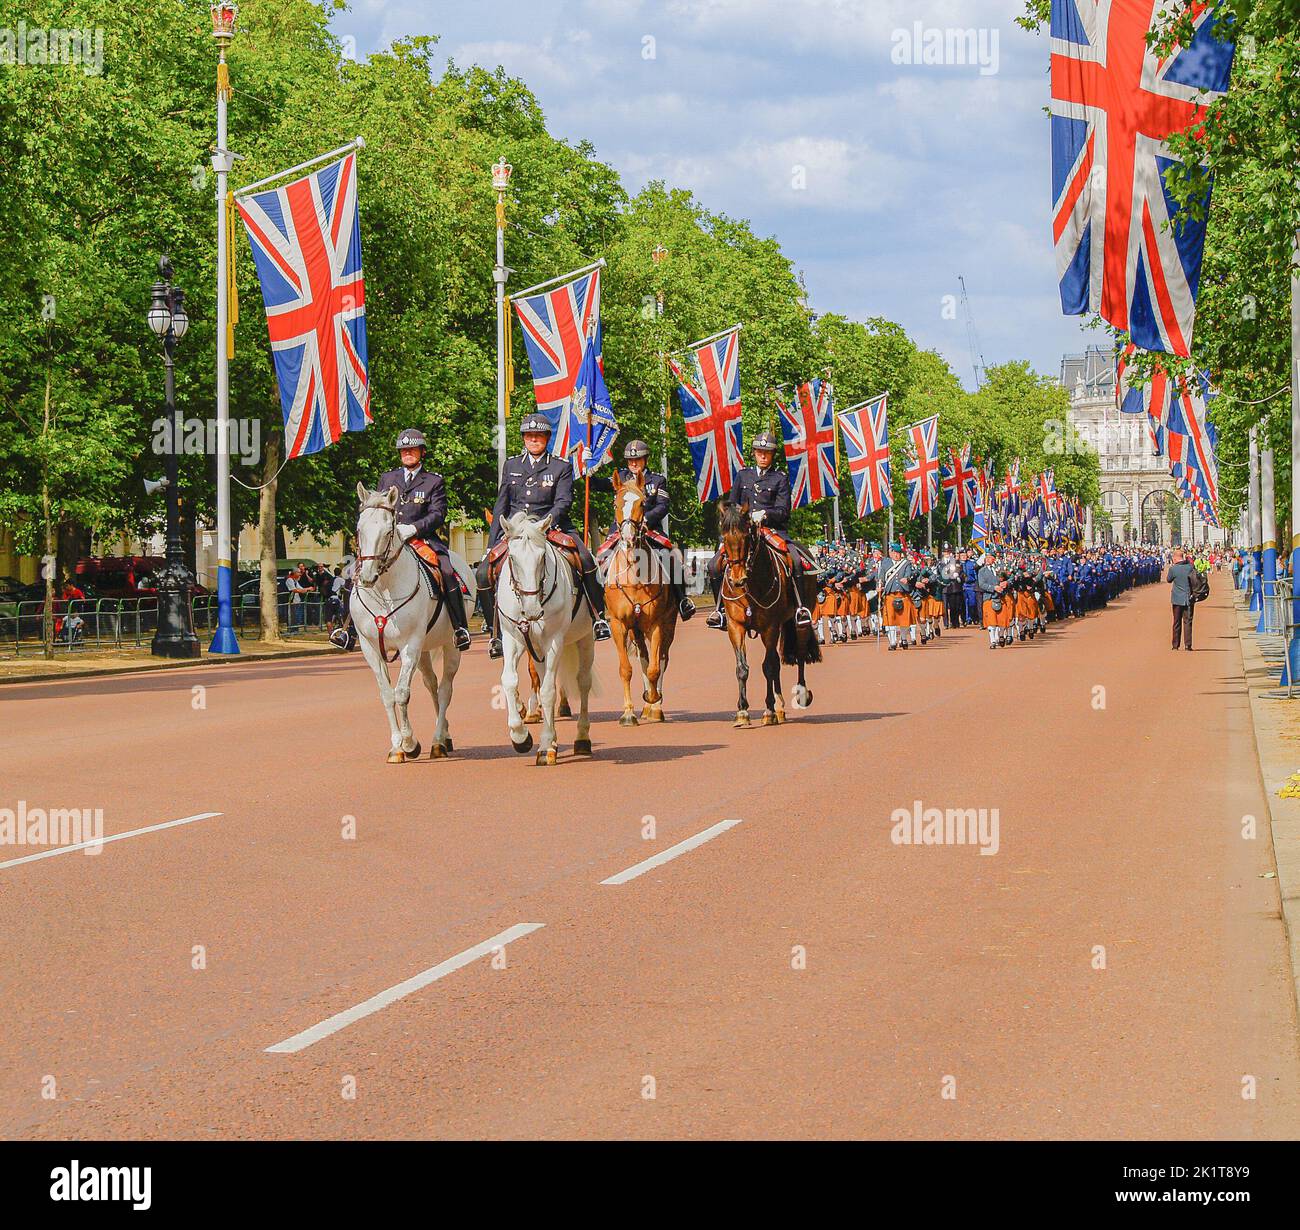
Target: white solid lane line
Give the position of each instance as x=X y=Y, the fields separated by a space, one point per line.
x=342 y=1020
x=103 y=841
x=657 y=860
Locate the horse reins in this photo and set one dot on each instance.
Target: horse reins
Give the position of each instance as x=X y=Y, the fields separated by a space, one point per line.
x=525 y=625
x=381 y=621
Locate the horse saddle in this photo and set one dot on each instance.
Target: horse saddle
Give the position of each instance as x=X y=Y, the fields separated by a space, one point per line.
x=427 y=556
x=774 y=540
x=562 y=539
x=654 y=537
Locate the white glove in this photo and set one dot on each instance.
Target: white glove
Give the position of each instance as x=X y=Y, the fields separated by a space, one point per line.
x=757 y=516
x=406 y=532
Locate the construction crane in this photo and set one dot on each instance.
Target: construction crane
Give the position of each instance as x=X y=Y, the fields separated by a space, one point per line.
x=976 y=354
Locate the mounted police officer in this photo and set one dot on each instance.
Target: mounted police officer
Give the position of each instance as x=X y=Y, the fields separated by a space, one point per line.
x=421 y=513
x=654 y=512
x=765 y=488
x=541 y=485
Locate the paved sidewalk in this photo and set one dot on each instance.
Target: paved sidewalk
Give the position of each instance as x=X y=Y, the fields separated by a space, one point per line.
x=81 y=664
x=1277 y=740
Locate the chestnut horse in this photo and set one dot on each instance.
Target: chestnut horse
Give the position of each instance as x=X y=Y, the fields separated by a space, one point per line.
x=760 y=597
x=638 y=602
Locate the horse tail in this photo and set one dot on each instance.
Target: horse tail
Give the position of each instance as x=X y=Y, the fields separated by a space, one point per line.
x=567 y=670
x=798 y=644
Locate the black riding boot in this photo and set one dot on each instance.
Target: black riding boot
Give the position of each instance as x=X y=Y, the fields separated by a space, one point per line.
x=685 y=606
x=488 y=605
x=717 y=618
x=456 y=610
x=595 y=591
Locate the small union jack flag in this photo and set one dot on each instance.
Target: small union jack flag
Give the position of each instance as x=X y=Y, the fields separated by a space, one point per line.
x=711 y=414
x=922 y=472
x=866 y=444
x=1123 y=246
x=559 y=324
x=808 y=429
x=306 y=239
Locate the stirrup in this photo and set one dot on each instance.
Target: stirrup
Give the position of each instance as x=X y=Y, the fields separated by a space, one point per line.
x=600 y=628
x=716 y=619
x=462 y=638
x=687 y=609
x=494 y=648
x=803 y=617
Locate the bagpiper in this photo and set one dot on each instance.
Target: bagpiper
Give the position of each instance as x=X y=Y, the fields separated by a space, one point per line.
x=421 y=513
x=894 y=595
x=541 y=485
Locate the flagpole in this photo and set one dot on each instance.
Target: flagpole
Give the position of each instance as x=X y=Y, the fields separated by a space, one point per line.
x=1268 y=525
x=224 y=639
x=501 y=172
x=563 y=277
x=1256 y=536
x=1292 y=662
x=354 y=144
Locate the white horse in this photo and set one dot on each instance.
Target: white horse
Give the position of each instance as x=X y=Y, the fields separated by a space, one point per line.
x=398 y=620
x=543 y=616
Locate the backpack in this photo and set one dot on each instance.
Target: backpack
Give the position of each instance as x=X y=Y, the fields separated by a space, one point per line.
x=1198 y=585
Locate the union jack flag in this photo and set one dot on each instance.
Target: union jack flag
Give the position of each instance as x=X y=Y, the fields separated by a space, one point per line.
x=979 y=530
x=959 y=483
x=808 y=429
x=866 y=442
x=922 y=471
x=1128 y=396
x=558 y=326
x=1123 y=247
x=306 y=240
x=711 y=414
x=1190 y=440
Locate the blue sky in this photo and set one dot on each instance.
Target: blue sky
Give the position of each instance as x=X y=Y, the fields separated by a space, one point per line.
x=884 y=177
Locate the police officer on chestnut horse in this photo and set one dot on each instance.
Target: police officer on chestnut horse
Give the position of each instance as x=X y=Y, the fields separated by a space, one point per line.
x=654 y=513
x=540 y=485
x=765 y=487
x=421 y=513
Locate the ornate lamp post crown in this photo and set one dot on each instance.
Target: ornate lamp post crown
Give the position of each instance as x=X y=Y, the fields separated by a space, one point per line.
x=501 y=172
x=223 y=23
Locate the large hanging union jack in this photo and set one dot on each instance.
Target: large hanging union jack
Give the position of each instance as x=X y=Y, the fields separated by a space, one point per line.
x=1115 y=103
x=922 y=472
x=306 y=239
x=711 y=414
x=959 y=483
x=808 y=429
x=866 y=445
x=558 y=326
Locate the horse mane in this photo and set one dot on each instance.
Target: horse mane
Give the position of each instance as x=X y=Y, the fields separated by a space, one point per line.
x=374 y=499
x=732 y=517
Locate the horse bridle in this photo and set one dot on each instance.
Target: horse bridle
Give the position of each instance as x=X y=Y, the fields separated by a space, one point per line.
x=525 y=624
x=381 y=621
x=740 y=589
x=637 y=543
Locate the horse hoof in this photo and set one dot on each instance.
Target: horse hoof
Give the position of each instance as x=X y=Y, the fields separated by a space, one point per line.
x=628 y=719
x=769 y=719
x=582 y=747
x=780 y=717
x=742 y=720
x=448 y=744
x=533 y=719
x=564 y=710
x=524 y=747
x=653 y=713
x=438 y=751
x=547 y=758
x=801 y=698
x=397 y=756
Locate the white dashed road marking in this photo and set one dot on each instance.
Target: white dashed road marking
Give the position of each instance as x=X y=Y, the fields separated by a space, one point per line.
x=657 y=860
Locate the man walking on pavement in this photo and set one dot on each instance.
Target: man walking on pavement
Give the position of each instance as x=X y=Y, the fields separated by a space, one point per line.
x=1181 y=578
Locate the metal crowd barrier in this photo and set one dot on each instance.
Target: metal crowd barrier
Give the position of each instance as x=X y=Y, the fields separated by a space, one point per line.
x=114 y=623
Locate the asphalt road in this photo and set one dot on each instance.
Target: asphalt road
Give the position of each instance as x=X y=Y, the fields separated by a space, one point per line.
x=1116 y=968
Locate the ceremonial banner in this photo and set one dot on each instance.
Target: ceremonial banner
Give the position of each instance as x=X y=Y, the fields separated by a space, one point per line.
x=922 y=472
x=306 y=240
x=560 y=325
x=866 y=441
x=959 y=483
x=710 y=401
x=1127 y=396
x=979 y=530
x=591 y=428
x=1123 y=247
x=808 y=429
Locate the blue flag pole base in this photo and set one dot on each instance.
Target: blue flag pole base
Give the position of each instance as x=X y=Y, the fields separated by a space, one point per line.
x=224 y=639
x=1291 y=663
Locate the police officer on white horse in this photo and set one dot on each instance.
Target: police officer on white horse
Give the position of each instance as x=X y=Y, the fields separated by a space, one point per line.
x=765 y=487
x=539 y=484
x=655 y=514
x=421 y=513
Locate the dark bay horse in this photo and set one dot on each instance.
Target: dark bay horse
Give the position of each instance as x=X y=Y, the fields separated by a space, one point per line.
x=760 y=597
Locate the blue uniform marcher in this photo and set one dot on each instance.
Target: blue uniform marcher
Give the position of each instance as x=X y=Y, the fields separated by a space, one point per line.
x=421 y=513
x=541 y=485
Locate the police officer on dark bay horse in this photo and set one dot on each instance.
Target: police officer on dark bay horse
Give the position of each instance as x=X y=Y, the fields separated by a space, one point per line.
x=766 y=489
x=421 y=513
x=540 y=485
x=654 y=512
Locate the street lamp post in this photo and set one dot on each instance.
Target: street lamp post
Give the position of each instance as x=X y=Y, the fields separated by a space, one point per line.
x=174 y=637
